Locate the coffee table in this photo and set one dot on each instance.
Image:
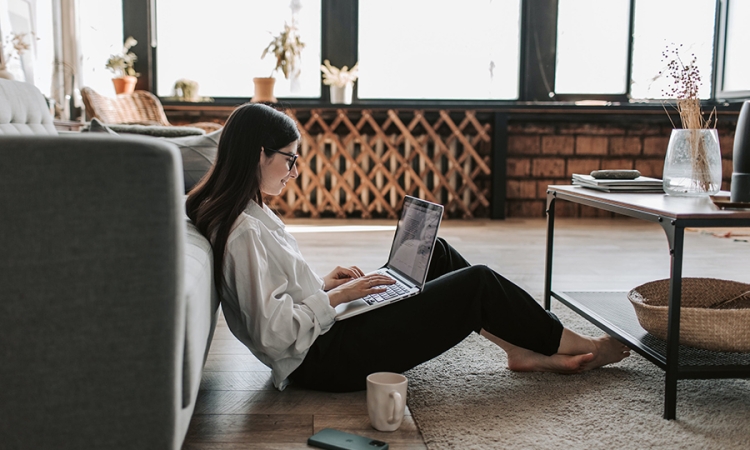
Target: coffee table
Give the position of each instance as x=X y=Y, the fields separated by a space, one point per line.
x=613 y=313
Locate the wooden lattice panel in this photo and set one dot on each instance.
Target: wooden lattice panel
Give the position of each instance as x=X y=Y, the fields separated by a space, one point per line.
x=361 y=163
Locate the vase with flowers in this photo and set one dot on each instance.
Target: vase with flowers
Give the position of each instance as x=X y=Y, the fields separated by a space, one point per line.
x=341 y=81
x=287 y=49
x=16 y=45
x=692 y=166
x=122 y=65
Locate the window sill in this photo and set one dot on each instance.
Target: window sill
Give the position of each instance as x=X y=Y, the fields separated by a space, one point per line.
x=489 y=106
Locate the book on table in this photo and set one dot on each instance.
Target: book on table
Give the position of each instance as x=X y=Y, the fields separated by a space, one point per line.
x=639 y=184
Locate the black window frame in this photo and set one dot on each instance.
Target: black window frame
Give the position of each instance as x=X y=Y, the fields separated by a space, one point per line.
x=339 y=44
x=720 y=56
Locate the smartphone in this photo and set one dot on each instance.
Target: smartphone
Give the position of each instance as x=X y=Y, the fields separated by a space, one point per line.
x=338 y=440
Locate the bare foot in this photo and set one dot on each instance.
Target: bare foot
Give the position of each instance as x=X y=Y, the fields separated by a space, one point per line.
x=577 y=355
x=523 y=360
x=608 y=351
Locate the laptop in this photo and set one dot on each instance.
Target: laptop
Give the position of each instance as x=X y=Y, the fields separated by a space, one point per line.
x=409 y=260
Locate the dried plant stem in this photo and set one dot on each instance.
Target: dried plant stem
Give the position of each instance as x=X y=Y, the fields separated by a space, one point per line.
x=690 y=115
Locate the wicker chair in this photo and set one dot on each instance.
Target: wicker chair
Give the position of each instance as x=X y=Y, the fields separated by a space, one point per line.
x=140 y=107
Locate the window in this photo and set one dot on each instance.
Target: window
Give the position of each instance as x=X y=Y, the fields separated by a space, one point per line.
x=737 y=56
x=100 y=28
x=659 y=24
x=218 y=44
x=45 y=49
x=592 y=47
x=422 y=49
x=594 y=35
x=427 y=50
x=16 y=22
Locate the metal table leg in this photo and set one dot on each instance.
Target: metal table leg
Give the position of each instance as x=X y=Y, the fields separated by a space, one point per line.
x=676 y=237
x=548 y=259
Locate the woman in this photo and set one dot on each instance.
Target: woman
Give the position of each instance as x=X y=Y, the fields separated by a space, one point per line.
x=284 y=313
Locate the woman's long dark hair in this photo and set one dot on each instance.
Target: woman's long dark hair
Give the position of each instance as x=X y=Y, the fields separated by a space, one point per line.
x=234 y=180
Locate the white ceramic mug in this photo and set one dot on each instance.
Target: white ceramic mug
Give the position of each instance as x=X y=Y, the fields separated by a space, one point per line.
x=386 y=400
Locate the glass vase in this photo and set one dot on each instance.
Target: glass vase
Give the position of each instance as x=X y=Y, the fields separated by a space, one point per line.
x=692 y=166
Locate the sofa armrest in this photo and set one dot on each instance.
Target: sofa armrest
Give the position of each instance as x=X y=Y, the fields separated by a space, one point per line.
x=92 y=317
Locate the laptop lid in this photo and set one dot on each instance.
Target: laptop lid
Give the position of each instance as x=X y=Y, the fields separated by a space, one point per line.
x=414 y=240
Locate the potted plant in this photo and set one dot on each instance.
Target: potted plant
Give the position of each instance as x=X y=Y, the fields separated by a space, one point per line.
x=287 y=48
x=186 y=90
x=341 y=81
x=121 y=64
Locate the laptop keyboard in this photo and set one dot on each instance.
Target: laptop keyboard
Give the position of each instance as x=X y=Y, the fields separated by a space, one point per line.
x=392 y=290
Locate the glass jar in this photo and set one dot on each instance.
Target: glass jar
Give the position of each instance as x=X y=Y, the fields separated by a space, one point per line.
x=692 y=166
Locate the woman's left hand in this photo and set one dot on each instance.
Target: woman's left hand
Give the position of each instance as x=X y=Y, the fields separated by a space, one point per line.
x=339 y=276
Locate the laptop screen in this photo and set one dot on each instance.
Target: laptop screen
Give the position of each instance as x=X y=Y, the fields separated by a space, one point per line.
x=415 y=237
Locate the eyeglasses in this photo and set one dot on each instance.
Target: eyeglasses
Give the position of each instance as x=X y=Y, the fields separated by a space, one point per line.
x=290 y=162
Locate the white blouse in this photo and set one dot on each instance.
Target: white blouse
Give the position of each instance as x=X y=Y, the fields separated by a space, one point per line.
x=273 y=302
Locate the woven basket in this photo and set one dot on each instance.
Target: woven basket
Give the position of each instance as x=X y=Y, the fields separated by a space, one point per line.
x=715 y=314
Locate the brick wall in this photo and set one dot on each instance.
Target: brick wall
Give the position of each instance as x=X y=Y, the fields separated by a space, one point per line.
x=541 y=153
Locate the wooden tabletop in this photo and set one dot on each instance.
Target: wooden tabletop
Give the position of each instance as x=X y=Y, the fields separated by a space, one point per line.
x=661 y=204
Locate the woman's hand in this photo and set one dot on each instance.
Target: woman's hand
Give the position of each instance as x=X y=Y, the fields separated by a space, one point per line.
x=358 y=288
x=341 y=275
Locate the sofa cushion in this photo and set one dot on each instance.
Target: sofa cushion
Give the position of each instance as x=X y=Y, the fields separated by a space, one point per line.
x=198 y=152
x=198 y=155
x=148 y=130
x=201 y=303
x=23 y=110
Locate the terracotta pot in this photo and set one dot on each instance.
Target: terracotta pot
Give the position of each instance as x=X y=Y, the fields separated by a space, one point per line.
x=264 y=90
x=124 y=85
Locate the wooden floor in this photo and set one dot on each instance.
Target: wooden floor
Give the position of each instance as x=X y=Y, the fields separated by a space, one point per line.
x=238 y=408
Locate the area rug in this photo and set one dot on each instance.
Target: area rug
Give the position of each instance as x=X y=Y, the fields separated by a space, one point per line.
x=467 y=399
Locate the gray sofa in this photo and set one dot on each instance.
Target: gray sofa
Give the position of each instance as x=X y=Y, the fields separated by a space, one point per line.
x=107 y=306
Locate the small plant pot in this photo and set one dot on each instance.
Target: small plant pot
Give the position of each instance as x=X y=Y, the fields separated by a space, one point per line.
x=342 y=94
x=264 y=90
x=124 y=85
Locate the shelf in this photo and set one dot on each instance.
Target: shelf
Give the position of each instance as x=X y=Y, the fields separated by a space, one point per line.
x=613 y=313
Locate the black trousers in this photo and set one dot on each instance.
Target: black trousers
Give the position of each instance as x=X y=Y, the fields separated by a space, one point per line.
x=458 y=298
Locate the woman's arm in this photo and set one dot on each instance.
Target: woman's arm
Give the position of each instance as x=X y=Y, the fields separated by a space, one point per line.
x=267 y=278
